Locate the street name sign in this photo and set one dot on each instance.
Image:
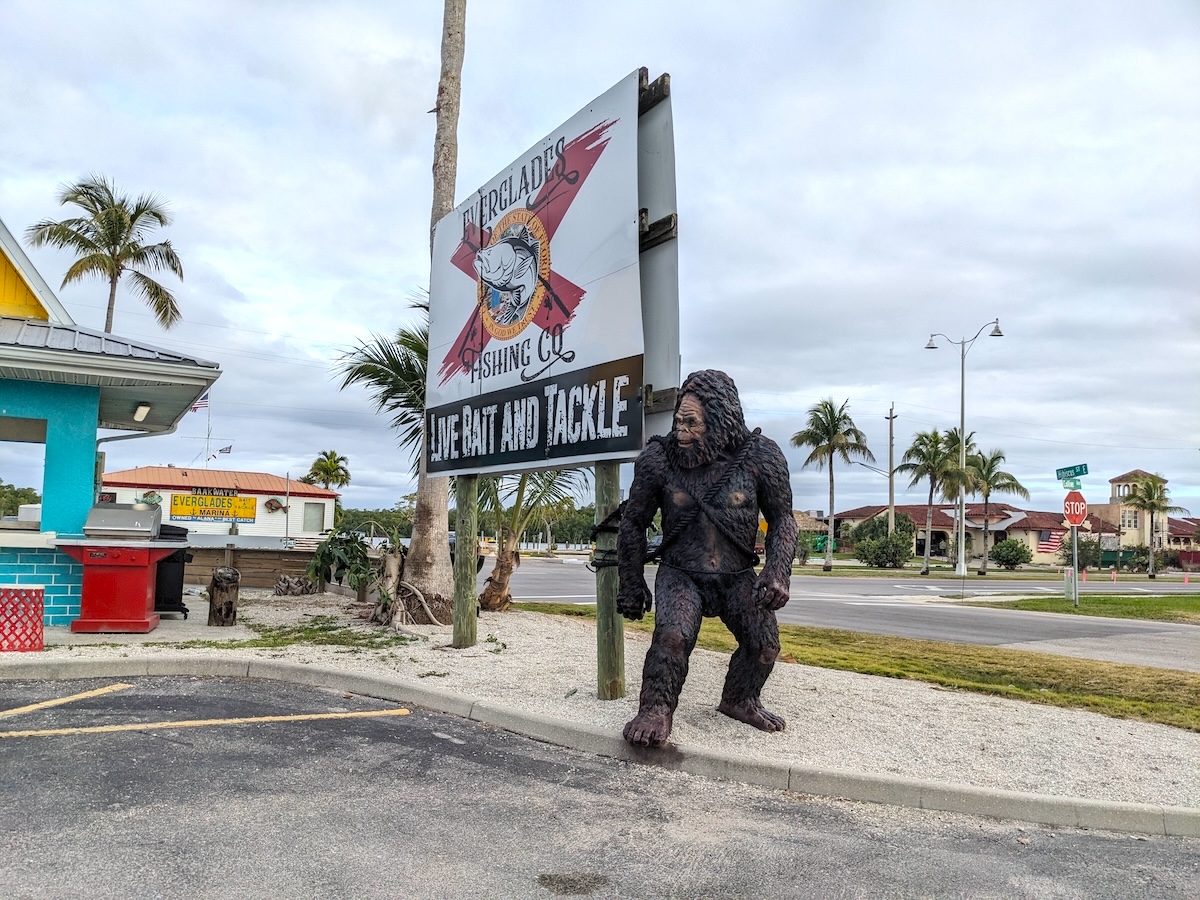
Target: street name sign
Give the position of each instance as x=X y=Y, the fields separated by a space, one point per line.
x=1075 y=508
x=1072 y=484
x=1071 y=471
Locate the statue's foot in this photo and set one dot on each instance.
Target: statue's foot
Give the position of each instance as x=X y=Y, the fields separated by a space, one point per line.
x=752 y=713
x=649 y=728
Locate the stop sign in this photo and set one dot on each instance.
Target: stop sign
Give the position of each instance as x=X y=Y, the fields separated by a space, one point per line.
x=1075 y=508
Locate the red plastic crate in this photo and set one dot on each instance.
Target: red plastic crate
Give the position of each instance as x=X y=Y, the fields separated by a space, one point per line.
x=22 y=610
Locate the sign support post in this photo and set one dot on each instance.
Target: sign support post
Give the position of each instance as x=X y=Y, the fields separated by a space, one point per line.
x=466 y=526
x=610 y=625
x=1075 y=514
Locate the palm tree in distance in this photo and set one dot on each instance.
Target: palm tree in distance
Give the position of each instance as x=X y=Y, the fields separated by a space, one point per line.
x=329 y=470
x=110 y=242
x=928 y=458
x=1149 y=495
x=987 y=478
x=830 y=432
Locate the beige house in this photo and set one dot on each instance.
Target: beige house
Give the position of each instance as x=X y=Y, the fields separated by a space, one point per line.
x=1133 y=526
x=1042 y=532
x=247 y=509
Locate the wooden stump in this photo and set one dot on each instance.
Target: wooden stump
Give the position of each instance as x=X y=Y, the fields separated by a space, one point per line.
x=223 y=596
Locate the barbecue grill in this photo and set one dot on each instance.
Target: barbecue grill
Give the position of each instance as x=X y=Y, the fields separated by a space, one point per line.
x=123 y=522
x=120 y=552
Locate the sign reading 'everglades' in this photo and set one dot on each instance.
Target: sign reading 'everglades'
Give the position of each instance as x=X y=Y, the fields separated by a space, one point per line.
x=209 y=508
x=535 y=337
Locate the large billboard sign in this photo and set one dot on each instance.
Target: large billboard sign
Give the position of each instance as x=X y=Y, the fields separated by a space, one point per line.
x=535 y=335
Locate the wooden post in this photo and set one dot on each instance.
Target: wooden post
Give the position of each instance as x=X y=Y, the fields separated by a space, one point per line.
x=610 y=626
x=465 y=596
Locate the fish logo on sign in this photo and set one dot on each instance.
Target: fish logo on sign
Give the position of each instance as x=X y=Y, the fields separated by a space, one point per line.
x=510 y=262
x=513 y=270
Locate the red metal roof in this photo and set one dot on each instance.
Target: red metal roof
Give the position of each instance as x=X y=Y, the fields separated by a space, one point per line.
x=172 y=478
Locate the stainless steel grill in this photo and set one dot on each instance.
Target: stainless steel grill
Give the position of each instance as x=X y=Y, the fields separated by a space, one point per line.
x=123 y=522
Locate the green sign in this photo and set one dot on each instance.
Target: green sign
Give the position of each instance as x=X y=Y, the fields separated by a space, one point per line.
x=1072 y=484
x=1071 y=472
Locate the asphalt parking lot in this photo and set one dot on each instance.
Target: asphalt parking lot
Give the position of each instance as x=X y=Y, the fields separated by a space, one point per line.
x=218 y=787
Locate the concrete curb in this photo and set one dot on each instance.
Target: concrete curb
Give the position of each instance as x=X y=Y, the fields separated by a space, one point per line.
x=1140 y=818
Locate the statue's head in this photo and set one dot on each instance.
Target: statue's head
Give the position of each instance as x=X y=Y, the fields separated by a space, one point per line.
x=708 y=419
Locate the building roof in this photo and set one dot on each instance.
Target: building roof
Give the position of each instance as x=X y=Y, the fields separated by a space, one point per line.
x=128 y=373
x=1134 y=475
x=173 y=478
x=11 y=248
x=807 y=522
x=1012 y=517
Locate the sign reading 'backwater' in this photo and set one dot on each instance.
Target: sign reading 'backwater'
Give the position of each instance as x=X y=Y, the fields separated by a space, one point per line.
x=535 y=337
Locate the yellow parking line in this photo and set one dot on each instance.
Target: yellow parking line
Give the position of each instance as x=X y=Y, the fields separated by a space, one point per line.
x=120 y=686
x=197 y=723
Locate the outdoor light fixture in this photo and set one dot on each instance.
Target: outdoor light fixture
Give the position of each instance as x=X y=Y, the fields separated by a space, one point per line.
x=143 y=410
x=964 y=345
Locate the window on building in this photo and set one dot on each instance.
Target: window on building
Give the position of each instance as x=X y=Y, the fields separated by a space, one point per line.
x=22 y=464
x=1129 y=518
x=314 y=517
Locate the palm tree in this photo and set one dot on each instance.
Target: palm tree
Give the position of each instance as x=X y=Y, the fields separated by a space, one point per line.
x=987 y=478
x=518 y=501
x=330 y=469
x=110 y=242
x=1149 y=495
x=394 y=371
x=930 y=457
x=831 y=433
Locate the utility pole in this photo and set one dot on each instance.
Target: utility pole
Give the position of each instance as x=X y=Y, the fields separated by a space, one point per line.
x=891 y=417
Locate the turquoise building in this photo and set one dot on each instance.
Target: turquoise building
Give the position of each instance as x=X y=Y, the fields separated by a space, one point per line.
x=60 y=384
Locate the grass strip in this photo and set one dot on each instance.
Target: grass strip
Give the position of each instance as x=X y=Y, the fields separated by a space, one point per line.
x=1163 y=696
x=1183 y=608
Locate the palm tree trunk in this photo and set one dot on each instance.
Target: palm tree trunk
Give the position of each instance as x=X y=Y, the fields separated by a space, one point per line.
x=112 y=301
x=495 y=594
x=983 y=563
x=928 y=526
x=828 y=567
x=1150 y=565
x=427 y=567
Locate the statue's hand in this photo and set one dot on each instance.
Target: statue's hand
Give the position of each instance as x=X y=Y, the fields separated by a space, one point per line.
x=770 y=592
x=634 y=601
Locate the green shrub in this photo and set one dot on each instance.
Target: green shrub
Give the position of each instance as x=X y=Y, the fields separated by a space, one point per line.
x=885 y=552
x=1010 y=554
x=342 y=557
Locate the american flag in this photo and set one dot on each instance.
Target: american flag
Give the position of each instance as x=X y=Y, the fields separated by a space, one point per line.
x=200 y=404
x=1049 y=541
x=228 y=449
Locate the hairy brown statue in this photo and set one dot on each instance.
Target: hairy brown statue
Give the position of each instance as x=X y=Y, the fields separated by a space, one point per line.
x=711 y=477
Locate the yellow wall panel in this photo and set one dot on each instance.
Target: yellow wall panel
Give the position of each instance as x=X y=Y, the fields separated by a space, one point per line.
x=16 y=299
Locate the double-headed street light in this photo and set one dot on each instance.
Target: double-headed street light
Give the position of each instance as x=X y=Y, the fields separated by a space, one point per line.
x=964 y=345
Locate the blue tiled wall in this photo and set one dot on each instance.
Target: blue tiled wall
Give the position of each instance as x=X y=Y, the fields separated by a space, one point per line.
x=61 y=576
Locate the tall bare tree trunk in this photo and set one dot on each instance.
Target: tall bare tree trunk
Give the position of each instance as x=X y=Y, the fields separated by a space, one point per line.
x=828 y=567
x=428 y=566
x=928 y=528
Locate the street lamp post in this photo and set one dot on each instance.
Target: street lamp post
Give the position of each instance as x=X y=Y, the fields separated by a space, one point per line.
x=964 y=345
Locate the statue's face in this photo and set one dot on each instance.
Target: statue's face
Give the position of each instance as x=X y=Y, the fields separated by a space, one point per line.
x=690 y=430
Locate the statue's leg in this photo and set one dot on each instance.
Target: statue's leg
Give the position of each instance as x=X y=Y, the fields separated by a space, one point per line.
x=757 y=634
x=677 y=619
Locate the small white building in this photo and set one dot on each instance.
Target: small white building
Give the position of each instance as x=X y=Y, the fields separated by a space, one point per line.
x=247 y=509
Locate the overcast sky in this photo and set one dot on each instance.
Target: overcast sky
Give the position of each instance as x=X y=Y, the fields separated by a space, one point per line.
x=851 y=178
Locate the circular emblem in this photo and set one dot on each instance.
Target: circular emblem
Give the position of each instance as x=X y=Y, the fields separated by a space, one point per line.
x=513 y=270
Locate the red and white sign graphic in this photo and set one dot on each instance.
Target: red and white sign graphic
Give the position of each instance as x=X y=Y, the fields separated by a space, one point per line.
x=535 y=318
x=1075 y=508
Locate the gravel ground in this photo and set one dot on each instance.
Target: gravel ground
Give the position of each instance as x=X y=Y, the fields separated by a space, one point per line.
x=841 y=720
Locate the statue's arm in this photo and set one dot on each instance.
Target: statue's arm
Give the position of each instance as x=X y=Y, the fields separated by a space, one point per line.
x=633 y=595
x=775 y=503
